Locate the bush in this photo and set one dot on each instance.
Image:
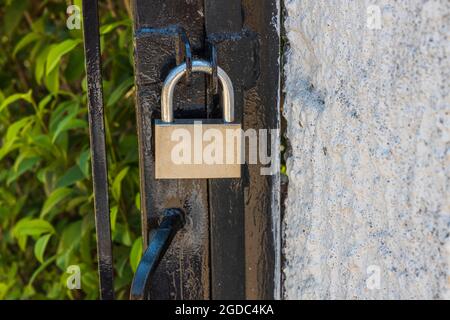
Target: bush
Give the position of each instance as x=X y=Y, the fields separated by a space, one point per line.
x=46 y=200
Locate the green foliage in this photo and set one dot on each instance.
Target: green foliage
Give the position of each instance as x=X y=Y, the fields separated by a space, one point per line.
x=46 y=200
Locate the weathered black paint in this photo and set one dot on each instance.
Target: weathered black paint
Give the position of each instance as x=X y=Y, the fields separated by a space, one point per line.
x=172 y=222
x=184 y=271
x=226 y=196
x=261 y=112
x=241 y=210
x=98 y=153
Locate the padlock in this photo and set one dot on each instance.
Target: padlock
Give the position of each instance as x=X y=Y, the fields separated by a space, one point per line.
x=197 y=148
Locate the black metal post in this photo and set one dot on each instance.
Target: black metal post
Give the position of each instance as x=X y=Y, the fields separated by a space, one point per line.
x=227 y=248
x=98 y=148
x=242 y=220
x=226 y=196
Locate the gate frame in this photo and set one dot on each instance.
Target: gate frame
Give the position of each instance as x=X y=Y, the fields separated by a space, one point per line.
x=229 y=248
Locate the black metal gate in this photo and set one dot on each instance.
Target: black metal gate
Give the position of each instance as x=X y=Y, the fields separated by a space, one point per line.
x=226 y=245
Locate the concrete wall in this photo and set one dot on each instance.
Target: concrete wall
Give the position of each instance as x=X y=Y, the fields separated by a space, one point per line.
x=368 y=112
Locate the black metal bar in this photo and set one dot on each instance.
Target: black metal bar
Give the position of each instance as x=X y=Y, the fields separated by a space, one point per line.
x=262 y=223
x=98 y=148
x=226 y=196
x=244 y=222
x=172 y=222
x=186 y=52
x=214 y=79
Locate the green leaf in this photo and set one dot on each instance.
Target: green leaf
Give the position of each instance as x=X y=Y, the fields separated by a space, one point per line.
x=79 y=3
x=71 y=236
x=40 y=65
x=58 y=51
x=122 y=235
x=67 y=109
x=15 y=97
x=117 y=184
x=43 y=143
x=90 y=282
x=75 y=65
x=137 y=201
x=83 y=162
x=73 y=175
x=28 y=292
x=86 y=248
x=126 y=237
x=84 y=84
x=3 y=290
x=22 y=241
x=36 y=272
x=40 y=246
x=55 y=197
x=136 y=253
x=16 y=127
x=110 y=27
x=121 y=263
x=120 y=91
x=32 y=227
x=13 y=15
x=43 y=103
x=68 y=124
x=52 y=81
x=22 y=165
x=113 y=216
x=25 y=154
x=28 y=39
x=8 y=147
x=73 y=203
x=70 y=240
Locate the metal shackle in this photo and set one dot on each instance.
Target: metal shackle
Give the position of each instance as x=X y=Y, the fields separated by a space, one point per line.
x=197 y=66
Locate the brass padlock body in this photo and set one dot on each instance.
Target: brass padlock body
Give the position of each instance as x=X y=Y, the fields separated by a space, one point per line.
x=165 y=168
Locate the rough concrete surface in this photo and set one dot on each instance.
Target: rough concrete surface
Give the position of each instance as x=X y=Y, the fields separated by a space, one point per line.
x=368 y=112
